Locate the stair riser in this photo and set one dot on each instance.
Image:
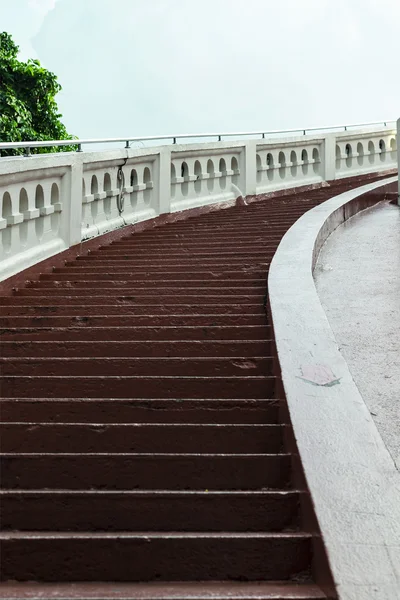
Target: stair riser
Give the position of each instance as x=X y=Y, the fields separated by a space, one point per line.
x=205 y=512
x=141 y=349
x=250 y=284
x=201 y=439
x=121 y=472
x=123 y=300
x=129 y=367
x=221 y=270
x=140 y=257
x=132 y=321
x=138 y=387
x=173 y=310
x=152 y=275
x=200 y=251
x=147 y=559
x=140 y=411
x=258 y=292
x=164 y=334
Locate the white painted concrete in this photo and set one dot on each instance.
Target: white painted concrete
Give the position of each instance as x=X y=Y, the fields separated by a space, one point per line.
x=358 y=282
x=353 y=480
x=54 y=201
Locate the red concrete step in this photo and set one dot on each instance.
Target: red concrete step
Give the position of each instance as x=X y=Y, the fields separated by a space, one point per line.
x=18 y=321
x=158 y=283
x=150 y=275
x=198 y=590
x=172 y=252
x=140 y=348
x=192 y=243
x=150 y=556
x=113 y=471
x=123 y=366
x=158 y=333
x=117 y=410
x=186 y=264
x=109 y=255
x=150 y=510
x=257 y=291
x=256 y=387
x=196 y=243
x=142 y=437
x=122 y=299
x=173 y=310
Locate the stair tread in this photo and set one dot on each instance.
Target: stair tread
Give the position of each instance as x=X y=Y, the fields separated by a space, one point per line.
x=197 y=590
x=138 y=493
x=185 y=535
x=150 y=454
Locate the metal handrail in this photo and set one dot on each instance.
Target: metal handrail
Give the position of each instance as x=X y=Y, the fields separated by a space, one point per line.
x=128 y=140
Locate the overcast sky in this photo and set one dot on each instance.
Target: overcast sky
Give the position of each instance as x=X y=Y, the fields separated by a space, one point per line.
x=142 y=67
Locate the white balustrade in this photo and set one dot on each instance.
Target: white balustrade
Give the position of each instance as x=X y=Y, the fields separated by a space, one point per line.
x=50 y=202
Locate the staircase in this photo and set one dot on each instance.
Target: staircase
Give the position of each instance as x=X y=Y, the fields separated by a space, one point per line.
x=144 y=450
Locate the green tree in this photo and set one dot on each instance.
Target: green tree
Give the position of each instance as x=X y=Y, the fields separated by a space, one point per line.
x=28 y=110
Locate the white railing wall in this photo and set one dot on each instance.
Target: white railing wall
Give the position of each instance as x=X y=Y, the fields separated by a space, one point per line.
x=51 y=202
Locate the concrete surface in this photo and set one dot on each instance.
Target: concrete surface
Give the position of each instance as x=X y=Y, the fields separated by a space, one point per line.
x=358 y=282
x=350 y=473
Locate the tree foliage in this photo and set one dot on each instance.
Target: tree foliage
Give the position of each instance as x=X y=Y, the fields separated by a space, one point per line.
x=28 y=110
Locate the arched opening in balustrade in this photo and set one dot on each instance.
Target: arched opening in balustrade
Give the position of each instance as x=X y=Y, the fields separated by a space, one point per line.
x=23 y=208
x=107 y=187
x=197 y=172
x=316 y=161
x=235 y=169
x=270 y=165
x=147 y=180
x=6 y=211
x=94 y=185
x=54 y=200
x=133 y=180
x=371 y=152
x=107 y=182
x=282 y=165
x=23 y=201
x=55 y=194
x=94 y=188
x=293 y=160
x=211 y=174
x=39 y=203
x=349 y=155
x=382 y=149
x=173 y=180
x=222 y=170
x=338 y=154
x=304 y=160
x=360 y=154
x=185 y=173
x=39 y=197
x=259 y=169
x=393 y=149
x=83 y=188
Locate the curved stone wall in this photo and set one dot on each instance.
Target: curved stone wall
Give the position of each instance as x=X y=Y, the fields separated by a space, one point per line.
x=353 y=481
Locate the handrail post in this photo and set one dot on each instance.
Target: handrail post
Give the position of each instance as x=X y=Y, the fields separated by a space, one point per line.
x=164 y=181
x=72 y=201
x=329 y=157
x=248 y=169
